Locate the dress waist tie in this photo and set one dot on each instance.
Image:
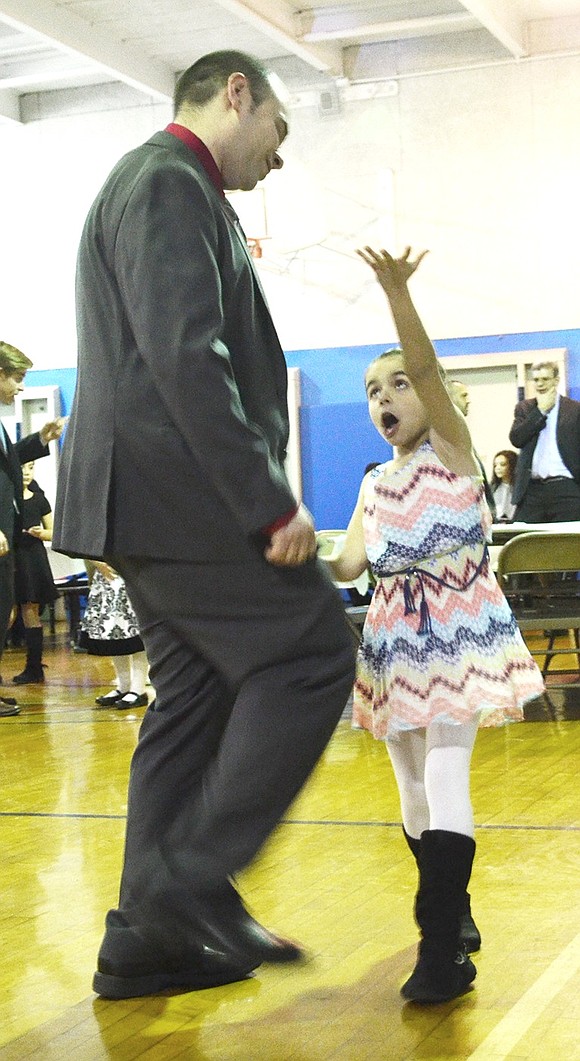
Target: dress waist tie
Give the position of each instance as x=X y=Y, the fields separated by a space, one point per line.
x=419 y=573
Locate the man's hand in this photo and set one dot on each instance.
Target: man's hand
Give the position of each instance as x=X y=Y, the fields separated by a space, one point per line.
x=106 y=570
x=294 y=544
x=4 y=544
x=51 y=430
x=547 y=399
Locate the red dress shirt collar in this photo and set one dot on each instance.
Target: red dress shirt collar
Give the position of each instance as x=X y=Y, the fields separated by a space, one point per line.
x=203 y=153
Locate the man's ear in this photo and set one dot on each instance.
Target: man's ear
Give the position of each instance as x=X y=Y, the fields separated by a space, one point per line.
x=237 y=90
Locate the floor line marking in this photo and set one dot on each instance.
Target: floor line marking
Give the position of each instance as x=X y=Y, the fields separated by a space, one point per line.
x=296 y=821
x=511 y=1028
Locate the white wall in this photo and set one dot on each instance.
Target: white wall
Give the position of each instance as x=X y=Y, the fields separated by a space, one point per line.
x=49 y=174
x=481 y=166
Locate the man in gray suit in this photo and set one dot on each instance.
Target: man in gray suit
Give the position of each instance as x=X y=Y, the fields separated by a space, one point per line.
x=173 y=469
x=546 y=430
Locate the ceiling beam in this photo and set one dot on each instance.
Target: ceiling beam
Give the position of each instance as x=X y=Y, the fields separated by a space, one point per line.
x=408 y=27
x=68 y=32
x=271 y=17
x=553 y=36
x=504 y=24
x=9 y=106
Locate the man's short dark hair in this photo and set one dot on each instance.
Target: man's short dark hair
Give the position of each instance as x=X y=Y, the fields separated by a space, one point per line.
x=552 y=366
x=209 y=75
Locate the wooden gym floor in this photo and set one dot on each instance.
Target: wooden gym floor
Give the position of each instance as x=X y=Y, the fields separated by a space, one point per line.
x=336 y=875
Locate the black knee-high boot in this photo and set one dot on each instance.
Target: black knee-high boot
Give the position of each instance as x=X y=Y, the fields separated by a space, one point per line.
x=443 y=970
x=469 y=935
x=33 y=671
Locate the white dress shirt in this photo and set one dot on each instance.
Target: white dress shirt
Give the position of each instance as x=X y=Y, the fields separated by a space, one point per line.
x=547 y=461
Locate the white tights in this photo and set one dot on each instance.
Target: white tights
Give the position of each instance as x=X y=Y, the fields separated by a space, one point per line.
x=432 y=772
x=131 y=672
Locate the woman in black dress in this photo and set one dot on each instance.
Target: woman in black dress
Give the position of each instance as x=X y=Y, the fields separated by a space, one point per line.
x=34 y=583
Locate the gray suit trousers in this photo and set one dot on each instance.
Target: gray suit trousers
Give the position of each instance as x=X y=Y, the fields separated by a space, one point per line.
x=252 y=666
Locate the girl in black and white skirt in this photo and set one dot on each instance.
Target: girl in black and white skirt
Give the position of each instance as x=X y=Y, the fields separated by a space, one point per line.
x=109 y=628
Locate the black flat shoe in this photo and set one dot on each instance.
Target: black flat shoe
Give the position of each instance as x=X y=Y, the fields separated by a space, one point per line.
x=109 y=699
x=8 y=710
x=132 y=700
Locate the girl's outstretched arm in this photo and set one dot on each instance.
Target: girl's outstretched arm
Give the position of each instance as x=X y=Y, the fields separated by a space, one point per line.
x=393 y=275
x=352 y=559
x=421 y=364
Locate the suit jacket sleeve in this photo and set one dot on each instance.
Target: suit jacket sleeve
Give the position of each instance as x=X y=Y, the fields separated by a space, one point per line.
x=167 y=262
x=31 y=448
x=27 y=449
x=528 y=422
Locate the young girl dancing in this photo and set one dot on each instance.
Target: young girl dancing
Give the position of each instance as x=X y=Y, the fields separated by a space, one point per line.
x=441 y=652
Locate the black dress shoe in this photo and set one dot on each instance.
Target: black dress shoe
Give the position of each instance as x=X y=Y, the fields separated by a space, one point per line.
x=272 y=948
x=152 y=956
x=222 y=920
x=134 y=981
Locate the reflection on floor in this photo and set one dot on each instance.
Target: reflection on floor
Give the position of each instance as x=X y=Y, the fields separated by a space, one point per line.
x=555 y=705
x=336 y=874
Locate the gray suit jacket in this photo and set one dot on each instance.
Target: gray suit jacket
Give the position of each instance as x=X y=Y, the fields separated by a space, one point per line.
x=179 y=427
x=528 y=422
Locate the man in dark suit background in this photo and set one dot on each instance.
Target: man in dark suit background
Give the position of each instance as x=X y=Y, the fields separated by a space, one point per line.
x=546 y=430
x=13 y=368
x=186 y=494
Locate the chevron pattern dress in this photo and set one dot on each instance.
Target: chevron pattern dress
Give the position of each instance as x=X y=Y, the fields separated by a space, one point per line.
x=440 y=642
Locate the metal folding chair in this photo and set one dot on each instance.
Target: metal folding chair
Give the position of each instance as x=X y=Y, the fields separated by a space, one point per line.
x=549 y=601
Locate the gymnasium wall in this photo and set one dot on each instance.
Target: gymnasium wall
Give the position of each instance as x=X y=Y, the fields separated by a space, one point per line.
x=337 y=437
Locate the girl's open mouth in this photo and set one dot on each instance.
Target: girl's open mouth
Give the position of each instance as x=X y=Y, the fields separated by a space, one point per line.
x=390 y=423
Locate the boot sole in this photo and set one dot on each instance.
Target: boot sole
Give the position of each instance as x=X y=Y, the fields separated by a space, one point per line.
x=412 y=994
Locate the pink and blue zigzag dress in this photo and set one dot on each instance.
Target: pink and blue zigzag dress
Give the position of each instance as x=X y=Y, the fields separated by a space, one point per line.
x=439 y=642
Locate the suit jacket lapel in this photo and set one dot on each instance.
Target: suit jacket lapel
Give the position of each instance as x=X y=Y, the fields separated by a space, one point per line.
x=173 y=143
x=241 y=235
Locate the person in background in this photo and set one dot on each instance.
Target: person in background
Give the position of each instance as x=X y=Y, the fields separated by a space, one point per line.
x=186 y=496
x=13 y=368
x=502 y=481
x=546 y=430
x=109 y=628
x=460 y=397
x=34 y=583
x=441 y=653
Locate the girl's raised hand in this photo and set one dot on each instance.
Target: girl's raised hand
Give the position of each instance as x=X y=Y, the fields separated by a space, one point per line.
x=392 y=273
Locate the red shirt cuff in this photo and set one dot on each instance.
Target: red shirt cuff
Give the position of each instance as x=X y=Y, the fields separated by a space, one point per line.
x=282 y=521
